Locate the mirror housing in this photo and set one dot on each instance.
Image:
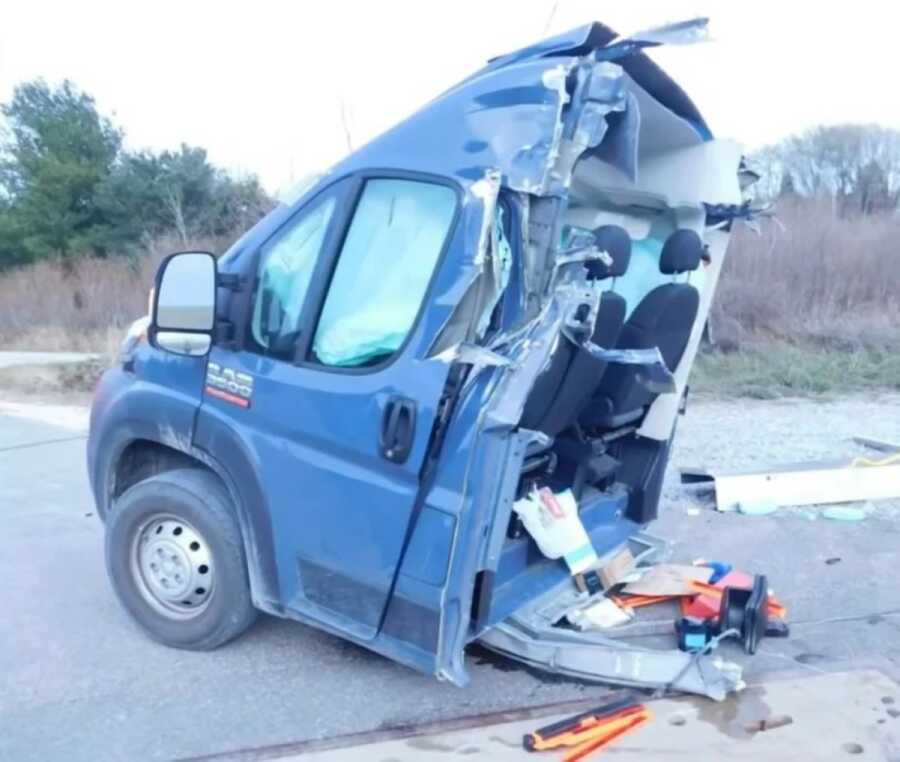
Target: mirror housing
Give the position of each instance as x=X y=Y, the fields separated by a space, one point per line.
x=183 y=312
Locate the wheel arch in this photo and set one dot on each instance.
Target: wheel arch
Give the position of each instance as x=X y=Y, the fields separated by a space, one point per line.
x=140 y=458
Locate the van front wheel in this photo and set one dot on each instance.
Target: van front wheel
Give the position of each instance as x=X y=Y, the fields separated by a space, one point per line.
x=175 y=558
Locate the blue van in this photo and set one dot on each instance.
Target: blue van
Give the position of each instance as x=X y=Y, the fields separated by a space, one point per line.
x=332 y=421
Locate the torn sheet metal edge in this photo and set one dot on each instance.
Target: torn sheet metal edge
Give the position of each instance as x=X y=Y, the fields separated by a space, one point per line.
x=687 y=32
x=529 y=636
x=617 y=664
x=585 y=656
x=471 y=354
x=801 y=484
x=484 y=278
x=530 y=353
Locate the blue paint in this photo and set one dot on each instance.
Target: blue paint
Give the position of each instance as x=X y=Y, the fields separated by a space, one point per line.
x=387 y=552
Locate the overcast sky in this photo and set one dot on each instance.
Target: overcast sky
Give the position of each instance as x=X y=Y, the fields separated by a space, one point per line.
x=261 y=84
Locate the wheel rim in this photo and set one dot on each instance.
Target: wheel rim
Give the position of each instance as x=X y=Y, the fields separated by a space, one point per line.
x=172 y=566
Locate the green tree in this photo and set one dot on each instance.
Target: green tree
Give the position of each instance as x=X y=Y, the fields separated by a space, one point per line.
x=58 y=152
x=68 y=188
x=147 y=194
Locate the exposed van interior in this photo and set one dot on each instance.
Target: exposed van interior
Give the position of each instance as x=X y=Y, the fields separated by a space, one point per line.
x=641 y=197
x=632 y=198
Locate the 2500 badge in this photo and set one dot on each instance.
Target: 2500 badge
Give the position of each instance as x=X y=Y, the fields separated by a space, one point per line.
x=229 y=385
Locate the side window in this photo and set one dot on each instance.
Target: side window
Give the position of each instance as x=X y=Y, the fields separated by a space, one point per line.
x=286 y=268
x=387 y=260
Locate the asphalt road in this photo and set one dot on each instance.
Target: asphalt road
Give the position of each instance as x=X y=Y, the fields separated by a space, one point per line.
x=79 y=682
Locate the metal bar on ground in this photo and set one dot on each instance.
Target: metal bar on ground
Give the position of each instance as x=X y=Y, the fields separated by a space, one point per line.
x=802 y=484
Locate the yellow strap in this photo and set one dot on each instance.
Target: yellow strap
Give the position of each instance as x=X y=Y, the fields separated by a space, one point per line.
x=861 y=461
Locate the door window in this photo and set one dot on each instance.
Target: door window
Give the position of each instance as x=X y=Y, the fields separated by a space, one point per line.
x=286 y=268
x=383 y=271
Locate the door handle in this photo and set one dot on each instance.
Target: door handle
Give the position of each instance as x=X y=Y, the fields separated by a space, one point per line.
x=398 y=428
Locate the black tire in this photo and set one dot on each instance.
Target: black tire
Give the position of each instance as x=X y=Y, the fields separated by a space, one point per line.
x=199 y=498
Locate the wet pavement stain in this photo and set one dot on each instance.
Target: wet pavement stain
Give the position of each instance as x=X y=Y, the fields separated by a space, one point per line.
x=733 y=715
x=810 y=658
x=894 y=713
x=427 y=744
x=508 y=664
x=887 y=699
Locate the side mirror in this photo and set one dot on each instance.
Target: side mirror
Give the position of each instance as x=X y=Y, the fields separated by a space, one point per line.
x=184 y=306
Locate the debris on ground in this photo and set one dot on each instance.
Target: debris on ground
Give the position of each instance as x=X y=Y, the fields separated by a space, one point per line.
x=668 y=580
x=577 y=631
x=760 y=492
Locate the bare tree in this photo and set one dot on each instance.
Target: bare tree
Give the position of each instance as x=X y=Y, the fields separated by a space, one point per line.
x=857 y=167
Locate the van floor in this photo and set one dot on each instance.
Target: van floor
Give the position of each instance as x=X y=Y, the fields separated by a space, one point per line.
x=81 y=683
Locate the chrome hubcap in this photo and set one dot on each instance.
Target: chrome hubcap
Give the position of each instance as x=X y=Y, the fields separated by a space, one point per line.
x=172 y=566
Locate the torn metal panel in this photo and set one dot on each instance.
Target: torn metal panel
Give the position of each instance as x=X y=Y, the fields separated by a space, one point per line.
x=600 y=108
x=485 y=277
x=686 y=32
x=542 y=224
x=531 y=351
x=599 y=91
x=471 y=354
x=534 y=121
x=611 y=661
x=531 y=636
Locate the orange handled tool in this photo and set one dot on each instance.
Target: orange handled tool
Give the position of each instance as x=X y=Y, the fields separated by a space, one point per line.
x=572 y=730
x=607 y=733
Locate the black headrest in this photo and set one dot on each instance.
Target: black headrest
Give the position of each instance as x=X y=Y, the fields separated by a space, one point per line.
x=616 y=242
x=681 y=252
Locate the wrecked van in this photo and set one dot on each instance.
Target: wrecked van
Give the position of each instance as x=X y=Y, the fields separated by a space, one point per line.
x=334 y=421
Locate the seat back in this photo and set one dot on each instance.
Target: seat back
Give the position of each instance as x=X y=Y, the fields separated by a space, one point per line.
x=565 y=387
x=664 y=318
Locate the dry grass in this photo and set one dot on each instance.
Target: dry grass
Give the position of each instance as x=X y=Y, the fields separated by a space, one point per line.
x=814 y=279
x=812 y=303
x=85 y=305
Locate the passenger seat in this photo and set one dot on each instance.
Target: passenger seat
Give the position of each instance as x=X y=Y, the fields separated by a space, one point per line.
x=664 y=318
